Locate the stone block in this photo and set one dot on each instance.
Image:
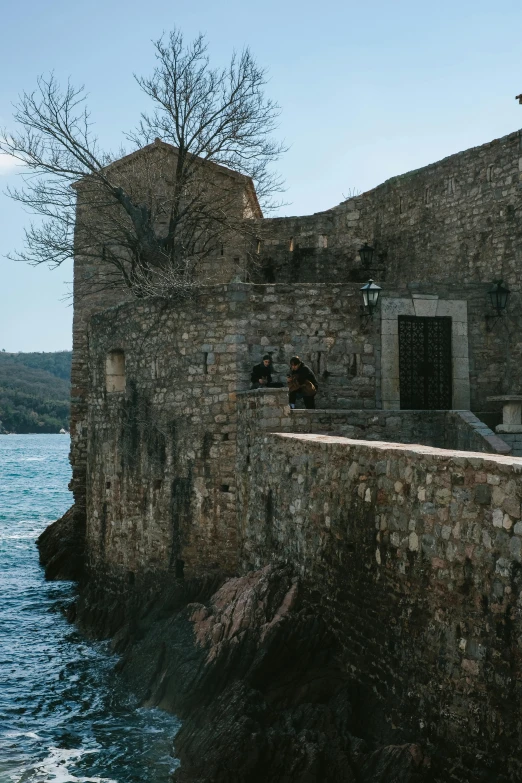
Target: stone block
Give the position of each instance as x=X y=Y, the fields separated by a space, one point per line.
x=389 y=363
x=459 y=346
x=460 y=368
x=454 y=308
x=424 y=307
x=482 y=494
x=459 y=329
x=461 y=394
x=393 y=307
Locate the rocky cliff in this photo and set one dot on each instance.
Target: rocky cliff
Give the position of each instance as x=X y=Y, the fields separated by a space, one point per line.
x=253 y=666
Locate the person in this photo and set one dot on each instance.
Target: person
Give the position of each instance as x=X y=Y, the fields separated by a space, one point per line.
x=262 y=373
x=301 y=382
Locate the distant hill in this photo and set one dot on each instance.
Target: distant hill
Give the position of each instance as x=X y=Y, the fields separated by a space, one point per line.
x=34 y=391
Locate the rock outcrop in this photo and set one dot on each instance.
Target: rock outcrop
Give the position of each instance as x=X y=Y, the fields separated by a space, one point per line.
x=256 y=673
x=61 y=549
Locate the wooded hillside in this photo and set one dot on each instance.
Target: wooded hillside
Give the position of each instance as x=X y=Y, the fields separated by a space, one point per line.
x=34 y=391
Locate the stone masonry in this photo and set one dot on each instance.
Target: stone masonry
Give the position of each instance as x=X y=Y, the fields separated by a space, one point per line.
x=179 y=469
x=456 y=219
x=418 y=552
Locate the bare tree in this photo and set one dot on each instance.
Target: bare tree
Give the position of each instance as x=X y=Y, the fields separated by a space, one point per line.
x=156 y=215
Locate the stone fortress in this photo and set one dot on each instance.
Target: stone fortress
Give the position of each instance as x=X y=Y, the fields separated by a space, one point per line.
x=396 y=497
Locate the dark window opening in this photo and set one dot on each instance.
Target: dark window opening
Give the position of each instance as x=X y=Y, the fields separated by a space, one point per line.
x=157 y=483
x=225 y=487
x=353 y=363
x=269 y=274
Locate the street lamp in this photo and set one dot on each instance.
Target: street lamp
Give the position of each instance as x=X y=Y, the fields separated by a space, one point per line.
x=366 y=255
x=498 y=298
x=370 y=294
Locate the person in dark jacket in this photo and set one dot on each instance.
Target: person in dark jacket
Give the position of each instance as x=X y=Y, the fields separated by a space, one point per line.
x=262 y=373
x=301 y=382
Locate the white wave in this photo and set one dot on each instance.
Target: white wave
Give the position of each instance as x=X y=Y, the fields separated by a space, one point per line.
x=54 y=768
x=15 y=734
x=19 y=536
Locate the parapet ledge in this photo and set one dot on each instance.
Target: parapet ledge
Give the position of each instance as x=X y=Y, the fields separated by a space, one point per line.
x=474 y=458
x=243 y=392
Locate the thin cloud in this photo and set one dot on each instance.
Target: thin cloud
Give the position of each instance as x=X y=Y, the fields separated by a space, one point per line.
x=8 y=164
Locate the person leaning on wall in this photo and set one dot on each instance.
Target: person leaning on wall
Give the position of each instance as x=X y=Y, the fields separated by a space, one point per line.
x=301 y=383
x=261 y=377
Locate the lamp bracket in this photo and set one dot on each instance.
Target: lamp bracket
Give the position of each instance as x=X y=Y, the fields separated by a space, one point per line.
x=491 y=320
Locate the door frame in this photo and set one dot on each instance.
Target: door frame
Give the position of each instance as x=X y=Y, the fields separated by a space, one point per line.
x=424 y=305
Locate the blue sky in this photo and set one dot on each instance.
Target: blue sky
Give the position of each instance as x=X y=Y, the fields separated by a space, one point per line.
x=368 y=90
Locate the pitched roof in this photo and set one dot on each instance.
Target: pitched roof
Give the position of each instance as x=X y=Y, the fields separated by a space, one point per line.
x=158 y=143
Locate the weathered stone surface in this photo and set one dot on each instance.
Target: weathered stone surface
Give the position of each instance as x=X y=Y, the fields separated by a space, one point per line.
x=256 y=673
x=62 y=548
x=415 y=552
x=424 y=573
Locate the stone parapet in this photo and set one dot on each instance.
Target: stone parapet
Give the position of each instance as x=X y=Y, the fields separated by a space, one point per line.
x=420 y=552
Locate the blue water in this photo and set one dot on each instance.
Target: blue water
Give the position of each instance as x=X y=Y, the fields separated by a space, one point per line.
x=62 y=716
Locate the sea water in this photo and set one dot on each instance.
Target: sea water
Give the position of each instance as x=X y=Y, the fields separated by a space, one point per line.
x=63 y=718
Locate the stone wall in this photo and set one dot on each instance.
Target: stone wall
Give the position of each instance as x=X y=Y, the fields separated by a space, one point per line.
x=449 y=223
x=456 y=219
x=98 y=285
x=417 y=551
x=161 y=454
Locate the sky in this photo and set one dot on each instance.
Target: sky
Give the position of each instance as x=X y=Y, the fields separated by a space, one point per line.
x=367 y=91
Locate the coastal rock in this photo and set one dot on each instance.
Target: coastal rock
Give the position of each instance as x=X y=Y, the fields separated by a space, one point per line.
x=61 y=549
x=256 y=674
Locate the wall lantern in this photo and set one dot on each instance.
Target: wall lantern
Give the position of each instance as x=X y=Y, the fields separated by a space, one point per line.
x=366 y=254
x=498 y=296
x=370 y=294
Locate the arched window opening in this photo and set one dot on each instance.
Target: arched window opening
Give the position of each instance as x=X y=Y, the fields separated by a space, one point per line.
x=115 y=371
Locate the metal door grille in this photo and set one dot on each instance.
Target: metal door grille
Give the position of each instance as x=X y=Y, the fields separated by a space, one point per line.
x=425 y=375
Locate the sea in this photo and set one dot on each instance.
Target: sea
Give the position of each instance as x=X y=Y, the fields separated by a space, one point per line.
x=63 y=716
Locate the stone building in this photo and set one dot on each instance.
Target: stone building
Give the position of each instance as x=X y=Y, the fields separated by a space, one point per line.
x=179 y=469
